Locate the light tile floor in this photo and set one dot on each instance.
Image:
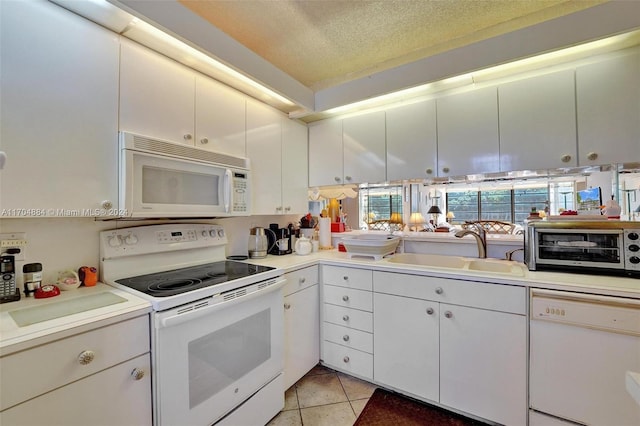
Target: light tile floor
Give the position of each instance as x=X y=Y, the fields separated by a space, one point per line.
x=324 y=397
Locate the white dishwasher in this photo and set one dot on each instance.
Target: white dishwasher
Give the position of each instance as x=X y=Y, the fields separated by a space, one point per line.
x=581 y=347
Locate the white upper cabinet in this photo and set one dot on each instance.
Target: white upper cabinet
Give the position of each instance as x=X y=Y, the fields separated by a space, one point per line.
x=364 y=148
x=468 y=141
x=325 y=153
x=608 y=99
x=538 y=122
x=59 y=108
x=295 y=168
x=220 y=118
x=411 y=141
x=157 y=96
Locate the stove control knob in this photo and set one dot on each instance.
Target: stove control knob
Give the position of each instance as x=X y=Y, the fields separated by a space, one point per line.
x=634 y=259
x=633 y=235
x=115 y=241
x=212 y=233
x=221 y=233
x=634 y=247
x=205 y=234
x=131 y=239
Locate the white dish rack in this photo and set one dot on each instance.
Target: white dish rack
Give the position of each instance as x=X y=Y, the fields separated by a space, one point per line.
x=376 y=246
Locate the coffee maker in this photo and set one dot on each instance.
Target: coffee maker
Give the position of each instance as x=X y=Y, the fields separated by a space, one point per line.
x=279 y=242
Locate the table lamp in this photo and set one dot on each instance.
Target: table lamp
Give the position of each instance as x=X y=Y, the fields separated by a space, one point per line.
x=450 y=216
x=435 y=211
x=416 y=219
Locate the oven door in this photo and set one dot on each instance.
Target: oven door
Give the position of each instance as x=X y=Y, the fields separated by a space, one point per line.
x=161 y=186
x=209 y=360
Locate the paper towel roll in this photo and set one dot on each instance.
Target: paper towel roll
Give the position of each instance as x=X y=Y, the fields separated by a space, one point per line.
x=324 y=233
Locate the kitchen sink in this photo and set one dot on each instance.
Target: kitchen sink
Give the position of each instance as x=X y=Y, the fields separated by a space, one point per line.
x=494 y=266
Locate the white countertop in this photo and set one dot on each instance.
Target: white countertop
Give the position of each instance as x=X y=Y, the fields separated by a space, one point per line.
x=14 y=338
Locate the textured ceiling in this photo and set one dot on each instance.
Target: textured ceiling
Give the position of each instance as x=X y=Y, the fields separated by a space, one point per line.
x=322 y=43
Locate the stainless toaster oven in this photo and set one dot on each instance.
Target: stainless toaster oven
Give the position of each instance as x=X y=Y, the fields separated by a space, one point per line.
x=598 y=246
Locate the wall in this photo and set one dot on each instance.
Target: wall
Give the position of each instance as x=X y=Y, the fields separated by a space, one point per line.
x=69 y=243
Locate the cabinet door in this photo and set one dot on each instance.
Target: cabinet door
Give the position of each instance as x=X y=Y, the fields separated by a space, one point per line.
x=406 y=344
x=608 y=99
x=112 y=397
x=468 y=140
x=538 y=122
x=220 y=118
x=264 y=148
x=325 y=153
x=301 y=333
x=295 y=167
x=59 y=108
x=157 y=95
x=364 y=148
x=411 y=141
x=483 y=363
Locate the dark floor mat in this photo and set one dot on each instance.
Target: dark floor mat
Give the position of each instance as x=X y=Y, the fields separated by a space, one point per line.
x=385 y=408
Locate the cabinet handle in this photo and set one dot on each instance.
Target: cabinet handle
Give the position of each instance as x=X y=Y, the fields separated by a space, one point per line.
x=565 y=158
x=592 y=156
x=445 y=170
x=204 y=141
x=337 y=179
x=448 y=314
x=106 y=204
x=302 y=280
x=345 y=337
x=345 y=298
x=188 y=137
x=429 y=171
x=287 y=305
x=286 y=209
x=347 y=178
x=279 y=209
x=345 y=318
x=137 y=374
x=346 y=278
x=86 y=357
x=429 y=311
x=439 y=290
x=345 y=359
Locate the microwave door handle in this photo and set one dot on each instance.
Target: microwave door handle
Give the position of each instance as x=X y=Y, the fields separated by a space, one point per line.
x=227 y=190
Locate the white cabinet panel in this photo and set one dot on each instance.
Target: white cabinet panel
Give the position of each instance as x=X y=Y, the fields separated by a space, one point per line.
x=220 y=118
x=295 y=167
x=349 y=360
x=468 y=141
x=608 y=99
x=411 y=141
x=301 y=333
x=325 y=153
x=538 y=122
x=157 y=95
x=364 y=148
x=483 y=363
x=406 y=344
x=59 y=108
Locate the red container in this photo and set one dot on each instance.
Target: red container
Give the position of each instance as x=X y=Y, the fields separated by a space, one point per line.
x=337 y=226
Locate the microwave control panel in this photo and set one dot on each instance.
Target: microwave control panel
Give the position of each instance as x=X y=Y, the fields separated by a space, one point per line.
x=632 y=249
x=240 y=187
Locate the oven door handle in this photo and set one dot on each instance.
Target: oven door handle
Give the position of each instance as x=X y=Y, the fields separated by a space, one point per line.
x=207 y=310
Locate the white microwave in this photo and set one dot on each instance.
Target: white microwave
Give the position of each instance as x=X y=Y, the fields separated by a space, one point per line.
x=160 y=179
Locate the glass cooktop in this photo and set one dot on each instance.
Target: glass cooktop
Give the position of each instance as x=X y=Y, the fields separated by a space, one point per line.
x=177 y=281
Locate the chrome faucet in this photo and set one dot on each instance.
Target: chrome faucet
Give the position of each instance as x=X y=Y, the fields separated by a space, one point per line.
x=481 y=238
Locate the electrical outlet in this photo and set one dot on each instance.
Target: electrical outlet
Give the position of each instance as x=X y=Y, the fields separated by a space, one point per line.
x=14 y=240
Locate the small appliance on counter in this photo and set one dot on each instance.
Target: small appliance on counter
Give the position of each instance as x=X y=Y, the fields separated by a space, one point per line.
x=259 y=243
x=8 y=290
x=280 y=242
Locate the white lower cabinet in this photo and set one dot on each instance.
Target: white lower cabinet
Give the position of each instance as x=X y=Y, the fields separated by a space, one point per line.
x=461 y=344
x=302 y=324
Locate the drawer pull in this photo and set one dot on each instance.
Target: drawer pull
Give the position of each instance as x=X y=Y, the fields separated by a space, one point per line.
x=287 y=305
x=429 y=311
x=345 y=337
x=345 y=359
x=86 y=357
x=302 y=280
x=439 y=290
x=346 y=278
x=448 y=314
x=137 y=374
x=345 y=298
x=345 y=318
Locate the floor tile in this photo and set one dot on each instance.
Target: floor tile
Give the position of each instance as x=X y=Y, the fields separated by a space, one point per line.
x=290 y=399
x=356 y=388
x=339 y=414
x=358 y=405
x=286 y=418
x=320 y=389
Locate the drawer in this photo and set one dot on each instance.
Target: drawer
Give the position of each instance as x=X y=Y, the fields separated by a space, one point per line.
x=33 y=372
x=348 y=337
x=352 y=318
x=348 y=360
x=497 y=297
x=348 y=298
x=361 y=279
x=300 y=279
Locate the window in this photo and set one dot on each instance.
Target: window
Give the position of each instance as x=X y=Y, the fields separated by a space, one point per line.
x=379 y=207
